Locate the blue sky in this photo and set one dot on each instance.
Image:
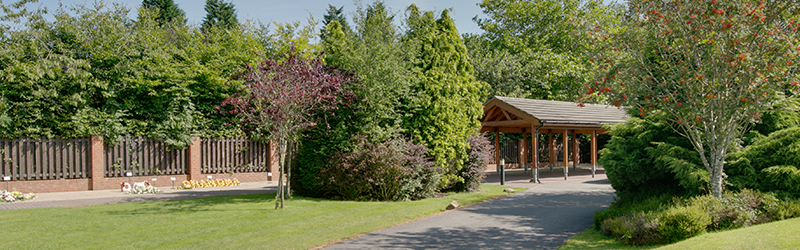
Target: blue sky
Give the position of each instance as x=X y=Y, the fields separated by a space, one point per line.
x=297 y=10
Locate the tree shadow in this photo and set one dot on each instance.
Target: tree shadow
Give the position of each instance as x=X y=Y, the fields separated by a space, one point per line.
x=194 y=201
x=521 y=221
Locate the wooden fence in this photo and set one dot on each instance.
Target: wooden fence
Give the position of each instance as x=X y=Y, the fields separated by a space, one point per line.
x=142 y=156
x=236 y=155
x=26 y=159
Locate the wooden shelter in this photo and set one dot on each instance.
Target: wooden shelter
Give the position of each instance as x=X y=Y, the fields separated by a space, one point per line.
x=529 y=116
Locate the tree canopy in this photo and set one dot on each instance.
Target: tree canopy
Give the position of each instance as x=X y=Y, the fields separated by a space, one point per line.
x=712 y=67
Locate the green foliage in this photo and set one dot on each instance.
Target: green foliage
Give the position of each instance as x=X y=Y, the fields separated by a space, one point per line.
x=682 y=223
x=528 y=48
x=782 y=178
x=99 y=72
x=166 y=11
x=449 y=98
x=219 y=14
x=380 y=61
x=665 y=219
x=769 y=164
x=646 y=157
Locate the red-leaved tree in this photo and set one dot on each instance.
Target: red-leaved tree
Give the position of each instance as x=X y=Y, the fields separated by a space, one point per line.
x=711 y=66
x=279 y=100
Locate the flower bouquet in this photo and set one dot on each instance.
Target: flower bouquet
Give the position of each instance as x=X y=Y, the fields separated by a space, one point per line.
x=16 y=196
x=189 y=184
x=139 y=188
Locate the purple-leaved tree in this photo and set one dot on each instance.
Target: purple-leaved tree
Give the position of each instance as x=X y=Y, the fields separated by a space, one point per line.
x=279 y=100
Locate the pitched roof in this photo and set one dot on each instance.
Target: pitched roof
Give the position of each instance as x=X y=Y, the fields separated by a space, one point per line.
x=566 y=112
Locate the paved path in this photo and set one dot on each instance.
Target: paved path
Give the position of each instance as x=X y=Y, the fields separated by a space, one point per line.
x=85 y=198
x=542 y=217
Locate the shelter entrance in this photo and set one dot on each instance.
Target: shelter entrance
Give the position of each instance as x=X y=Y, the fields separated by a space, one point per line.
x=532 y=117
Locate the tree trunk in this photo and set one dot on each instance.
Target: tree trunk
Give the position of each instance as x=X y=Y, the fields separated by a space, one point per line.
x=289 y=159
x=716 y=176
x=279 y=195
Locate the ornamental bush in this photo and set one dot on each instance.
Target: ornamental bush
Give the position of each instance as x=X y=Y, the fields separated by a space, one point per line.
x=682 y=223
x=395 y=169
x=645 y=157
x=478 y=156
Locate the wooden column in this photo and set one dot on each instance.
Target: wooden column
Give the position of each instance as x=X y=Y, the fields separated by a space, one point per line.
x=524 y=149
x=497 y=148
x=594 y=152
x=574 y=150
x=535 y=152
x=552 y=145
x=566 y=153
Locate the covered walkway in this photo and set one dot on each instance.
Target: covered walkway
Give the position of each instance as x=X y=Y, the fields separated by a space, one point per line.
x=534 y=117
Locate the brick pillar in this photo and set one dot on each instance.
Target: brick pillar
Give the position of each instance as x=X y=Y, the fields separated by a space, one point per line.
x=97 y=161
x=194 y=160
x=273 y=159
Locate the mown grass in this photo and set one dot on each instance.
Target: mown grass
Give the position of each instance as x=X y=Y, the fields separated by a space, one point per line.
x=783 y=234
x=221 y=222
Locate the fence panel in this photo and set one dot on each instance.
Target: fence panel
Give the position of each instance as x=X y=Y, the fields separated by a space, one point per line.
x=27 y=159
x=143 y=157
x=232 y=155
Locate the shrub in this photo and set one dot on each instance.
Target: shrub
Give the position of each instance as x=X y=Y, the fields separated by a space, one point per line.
x=646 y=155
x=635 y=229
x=392 y=170
x=769 y=164
x=479 y=154
x=682 y=222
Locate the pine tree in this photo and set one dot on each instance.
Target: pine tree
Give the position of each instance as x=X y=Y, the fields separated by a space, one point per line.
x=219 y=14
x=167 y=11
x=334 y=14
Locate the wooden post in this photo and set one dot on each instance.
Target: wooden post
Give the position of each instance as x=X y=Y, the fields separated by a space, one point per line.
x=574 y=150
x=594 y=152
x=552 y=152
x=524 y=152
x=566 y=153
x=535 y=158
x=497 y=150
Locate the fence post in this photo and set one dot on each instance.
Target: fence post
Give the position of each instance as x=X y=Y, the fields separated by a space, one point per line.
x=97 y=161
x=194 y=160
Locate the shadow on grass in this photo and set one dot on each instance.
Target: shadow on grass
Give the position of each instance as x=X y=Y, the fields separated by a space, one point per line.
x=232 y=202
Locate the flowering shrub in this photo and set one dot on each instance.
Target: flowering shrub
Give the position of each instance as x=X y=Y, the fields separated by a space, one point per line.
x=16 y=196
x=139 y=188
x=189 y=184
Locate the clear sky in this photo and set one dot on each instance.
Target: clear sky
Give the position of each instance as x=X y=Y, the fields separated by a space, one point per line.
x=283 y=11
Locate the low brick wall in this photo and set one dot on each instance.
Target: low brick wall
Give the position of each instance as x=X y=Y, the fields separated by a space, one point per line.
x=48 y=186
x=98 y=181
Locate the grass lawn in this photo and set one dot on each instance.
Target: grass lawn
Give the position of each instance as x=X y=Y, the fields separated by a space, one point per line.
x=783 y=234
x=229 y=222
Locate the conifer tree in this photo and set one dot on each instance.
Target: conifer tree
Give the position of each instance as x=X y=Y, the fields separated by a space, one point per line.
x=334 y=14
x=219 y=14
x=448 y=105
x=167 y=11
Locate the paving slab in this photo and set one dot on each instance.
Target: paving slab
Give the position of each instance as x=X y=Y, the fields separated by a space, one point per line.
x=542 y=217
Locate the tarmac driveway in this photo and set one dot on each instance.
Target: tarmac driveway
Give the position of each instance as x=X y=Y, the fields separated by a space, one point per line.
x=542 y=217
